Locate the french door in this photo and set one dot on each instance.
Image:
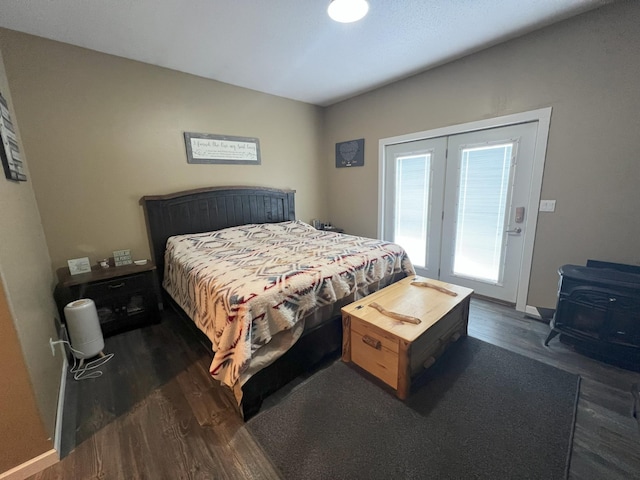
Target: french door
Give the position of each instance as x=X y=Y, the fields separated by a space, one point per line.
x=458 y=205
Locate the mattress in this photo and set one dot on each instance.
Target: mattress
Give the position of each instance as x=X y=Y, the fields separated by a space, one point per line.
x=250 y=288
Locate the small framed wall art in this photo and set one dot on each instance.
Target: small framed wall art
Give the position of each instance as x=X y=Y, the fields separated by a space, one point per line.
x=210 y=148
x=9 y=152
x=350 y=154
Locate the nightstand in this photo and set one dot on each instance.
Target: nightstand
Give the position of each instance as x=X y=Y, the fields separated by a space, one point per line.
x=126 y=297
x=330 y=228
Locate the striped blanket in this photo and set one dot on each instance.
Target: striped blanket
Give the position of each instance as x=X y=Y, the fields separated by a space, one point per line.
x=243 y=285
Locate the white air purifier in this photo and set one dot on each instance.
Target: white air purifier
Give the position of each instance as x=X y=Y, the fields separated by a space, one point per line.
x=84 y=328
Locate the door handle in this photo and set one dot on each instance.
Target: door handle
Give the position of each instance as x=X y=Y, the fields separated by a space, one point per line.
x=515 y=230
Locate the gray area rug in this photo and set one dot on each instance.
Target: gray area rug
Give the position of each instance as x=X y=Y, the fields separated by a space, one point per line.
x=479 y=412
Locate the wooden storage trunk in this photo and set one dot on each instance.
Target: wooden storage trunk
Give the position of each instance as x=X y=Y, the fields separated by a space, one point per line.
x=395 y=351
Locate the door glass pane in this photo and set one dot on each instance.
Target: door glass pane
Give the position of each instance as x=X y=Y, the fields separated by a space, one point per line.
x=412 y=205
x=482 y=203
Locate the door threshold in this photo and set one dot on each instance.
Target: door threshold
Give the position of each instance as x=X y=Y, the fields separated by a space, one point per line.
x=493 y=300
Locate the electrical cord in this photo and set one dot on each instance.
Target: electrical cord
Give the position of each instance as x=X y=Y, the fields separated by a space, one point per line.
x=80 y=369
x=80 y=372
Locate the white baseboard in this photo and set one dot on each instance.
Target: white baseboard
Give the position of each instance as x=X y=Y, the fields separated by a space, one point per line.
x=57 y=436
x=31 y=467
x=532 y=312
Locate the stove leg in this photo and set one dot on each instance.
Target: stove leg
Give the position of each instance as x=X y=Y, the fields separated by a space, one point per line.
x=552 y=334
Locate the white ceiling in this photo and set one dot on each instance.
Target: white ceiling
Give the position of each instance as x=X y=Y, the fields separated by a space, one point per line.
x=288 y=48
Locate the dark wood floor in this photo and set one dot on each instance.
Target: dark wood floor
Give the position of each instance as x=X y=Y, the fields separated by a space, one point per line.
x=157 y=414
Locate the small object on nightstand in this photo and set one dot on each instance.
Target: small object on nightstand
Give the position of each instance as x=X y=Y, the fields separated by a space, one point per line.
x=140 y=262
x=104 y=263
x=326 y=227
x=122 y=257
x=79 y=265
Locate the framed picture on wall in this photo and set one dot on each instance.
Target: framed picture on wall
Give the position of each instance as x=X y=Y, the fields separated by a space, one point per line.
x=10 y=153
x=350 y=154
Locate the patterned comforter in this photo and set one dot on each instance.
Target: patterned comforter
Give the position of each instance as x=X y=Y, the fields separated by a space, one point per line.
x=243 y=285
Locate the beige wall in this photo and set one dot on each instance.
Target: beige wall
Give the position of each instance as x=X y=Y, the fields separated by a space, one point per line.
x=101 y=131
x=27 y=401
x=588 y=70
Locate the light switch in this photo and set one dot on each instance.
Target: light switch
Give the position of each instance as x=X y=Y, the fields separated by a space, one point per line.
x=547 y=205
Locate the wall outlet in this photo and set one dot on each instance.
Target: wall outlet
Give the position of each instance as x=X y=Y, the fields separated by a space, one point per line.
x=547 y=205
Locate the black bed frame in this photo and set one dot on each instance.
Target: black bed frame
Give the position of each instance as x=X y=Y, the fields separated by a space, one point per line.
x=215 y=208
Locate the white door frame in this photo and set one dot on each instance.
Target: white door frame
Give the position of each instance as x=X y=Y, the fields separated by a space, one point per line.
x=543 y=117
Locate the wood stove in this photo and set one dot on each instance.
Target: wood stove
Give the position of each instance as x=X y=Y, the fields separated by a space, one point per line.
x=598 y=311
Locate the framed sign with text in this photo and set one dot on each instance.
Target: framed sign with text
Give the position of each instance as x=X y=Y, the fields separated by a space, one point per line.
x=122 y=257
x=210 y=148
x=79 y=265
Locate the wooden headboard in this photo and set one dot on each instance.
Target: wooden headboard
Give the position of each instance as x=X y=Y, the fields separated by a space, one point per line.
x=209 y=209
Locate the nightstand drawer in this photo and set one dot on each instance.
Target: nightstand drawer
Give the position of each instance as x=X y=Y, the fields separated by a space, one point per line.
x=116 y=285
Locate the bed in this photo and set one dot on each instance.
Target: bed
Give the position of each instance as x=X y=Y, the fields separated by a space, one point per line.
x=263 y=288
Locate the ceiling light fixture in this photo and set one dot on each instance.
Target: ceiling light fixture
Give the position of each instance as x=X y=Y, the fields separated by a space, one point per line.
x=348 y=11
